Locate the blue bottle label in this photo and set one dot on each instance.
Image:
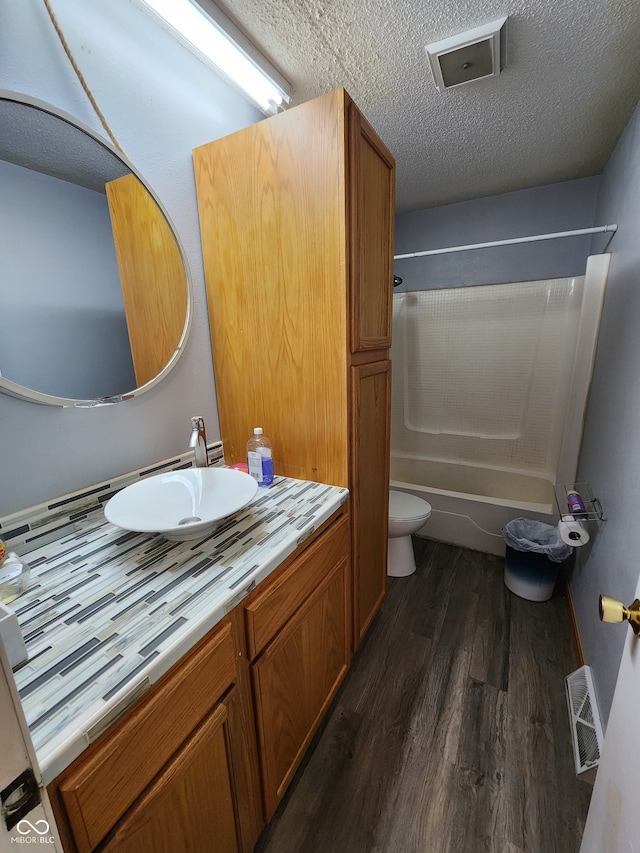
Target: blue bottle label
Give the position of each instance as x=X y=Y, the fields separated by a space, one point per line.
x=260 y=467
x=267 y=471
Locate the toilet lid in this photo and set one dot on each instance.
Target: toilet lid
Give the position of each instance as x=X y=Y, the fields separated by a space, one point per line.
x=403 y=505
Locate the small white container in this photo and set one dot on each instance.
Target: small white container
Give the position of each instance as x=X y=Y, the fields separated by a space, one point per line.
x=12 y=637
x=14 y=576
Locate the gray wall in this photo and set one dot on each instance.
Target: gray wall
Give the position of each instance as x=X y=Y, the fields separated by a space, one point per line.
x=161 y=102
x=610 y=458
x=60 y=287
x=541 y=210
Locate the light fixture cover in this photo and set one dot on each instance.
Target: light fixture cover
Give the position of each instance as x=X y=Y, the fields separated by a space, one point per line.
x=468 y=56
x=209 y=34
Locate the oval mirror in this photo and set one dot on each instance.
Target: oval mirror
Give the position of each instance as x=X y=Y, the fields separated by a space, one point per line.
x=95 y=296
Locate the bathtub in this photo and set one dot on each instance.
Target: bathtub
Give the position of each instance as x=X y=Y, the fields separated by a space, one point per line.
x=471 y=504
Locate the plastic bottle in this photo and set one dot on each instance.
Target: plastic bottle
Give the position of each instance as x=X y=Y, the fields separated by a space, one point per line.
x=259 y=458
x=576 y=504
x=14 y=575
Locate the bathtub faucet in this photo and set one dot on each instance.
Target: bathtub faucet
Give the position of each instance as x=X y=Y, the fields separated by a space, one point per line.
x=198 y=441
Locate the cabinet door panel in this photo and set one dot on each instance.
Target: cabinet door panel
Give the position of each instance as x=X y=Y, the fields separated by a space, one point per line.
x=371 y=394
x=295 y=680
x=272 y=207
x=372 y=198
x=269 y=611
x=190 y=805
x=98 y=790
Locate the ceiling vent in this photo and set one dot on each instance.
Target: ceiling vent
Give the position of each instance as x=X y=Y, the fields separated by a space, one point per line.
x=468 y=56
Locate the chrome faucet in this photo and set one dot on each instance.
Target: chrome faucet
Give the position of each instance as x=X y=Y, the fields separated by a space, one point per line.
x=198 y=441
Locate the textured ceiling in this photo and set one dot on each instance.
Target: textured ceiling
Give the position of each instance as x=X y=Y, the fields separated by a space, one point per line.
x=40 y=140
x=570 y=84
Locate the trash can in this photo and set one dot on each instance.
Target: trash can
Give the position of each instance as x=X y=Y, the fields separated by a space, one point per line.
x=534 y=553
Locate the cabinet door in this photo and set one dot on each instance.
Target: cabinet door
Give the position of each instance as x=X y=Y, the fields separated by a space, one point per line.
x=272 y=203
x=371 y=395
x=269 y=609
x=99 y=788
x=372 y=199
x=296 y=678
x=190 y=806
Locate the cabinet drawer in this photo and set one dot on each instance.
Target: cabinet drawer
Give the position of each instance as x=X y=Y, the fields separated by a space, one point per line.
x=99 y=789
x=270 y=609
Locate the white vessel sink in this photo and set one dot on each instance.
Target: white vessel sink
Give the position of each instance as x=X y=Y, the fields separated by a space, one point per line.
x=186 y=504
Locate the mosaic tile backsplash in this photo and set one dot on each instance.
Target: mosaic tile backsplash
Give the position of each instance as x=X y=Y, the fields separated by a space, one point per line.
x=28 y=528
x=108 y=611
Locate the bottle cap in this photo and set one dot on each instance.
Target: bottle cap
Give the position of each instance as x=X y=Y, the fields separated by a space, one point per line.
x=257 y=430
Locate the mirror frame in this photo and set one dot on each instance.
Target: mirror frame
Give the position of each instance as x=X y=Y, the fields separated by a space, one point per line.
x=33 y=396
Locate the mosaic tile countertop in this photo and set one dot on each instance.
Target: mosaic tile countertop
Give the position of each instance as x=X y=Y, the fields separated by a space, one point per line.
x=108 y=611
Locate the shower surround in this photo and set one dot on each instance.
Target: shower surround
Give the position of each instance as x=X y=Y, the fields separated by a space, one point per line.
x=488 y=396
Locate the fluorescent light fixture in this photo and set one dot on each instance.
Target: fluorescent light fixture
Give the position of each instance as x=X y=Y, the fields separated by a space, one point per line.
x=233 y=55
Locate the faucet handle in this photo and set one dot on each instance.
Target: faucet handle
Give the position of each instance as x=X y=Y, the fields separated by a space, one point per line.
x=198 y=441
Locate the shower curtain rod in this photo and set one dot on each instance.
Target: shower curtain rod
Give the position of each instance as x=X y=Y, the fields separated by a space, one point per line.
x=599 y=230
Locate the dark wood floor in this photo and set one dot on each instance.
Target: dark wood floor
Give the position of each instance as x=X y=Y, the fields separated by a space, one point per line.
x=450 y=732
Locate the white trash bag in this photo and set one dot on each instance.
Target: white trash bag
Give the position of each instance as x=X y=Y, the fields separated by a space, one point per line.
x=527 y=534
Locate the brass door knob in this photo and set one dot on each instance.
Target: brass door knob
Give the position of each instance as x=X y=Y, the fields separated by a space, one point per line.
x=612 y=610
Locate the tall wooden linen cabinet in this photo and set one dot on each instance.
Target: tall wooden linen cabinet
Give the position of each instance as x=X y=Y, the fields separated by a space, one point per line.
x=296 y=218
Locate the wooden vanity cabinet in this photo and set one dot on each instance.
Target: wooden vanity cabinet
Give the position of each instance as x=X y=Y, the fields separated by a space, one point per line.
x=178 y=770
x=296 y=218
x=298 y=632
x=205 y=755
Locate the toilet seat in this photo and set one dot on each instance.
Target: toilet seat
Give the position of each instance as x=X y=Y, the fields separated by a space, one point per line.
x=405 y=507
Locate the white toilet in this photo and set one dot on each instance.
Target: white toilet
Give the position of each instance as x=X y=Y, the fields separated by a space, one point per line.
x=407 y=514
